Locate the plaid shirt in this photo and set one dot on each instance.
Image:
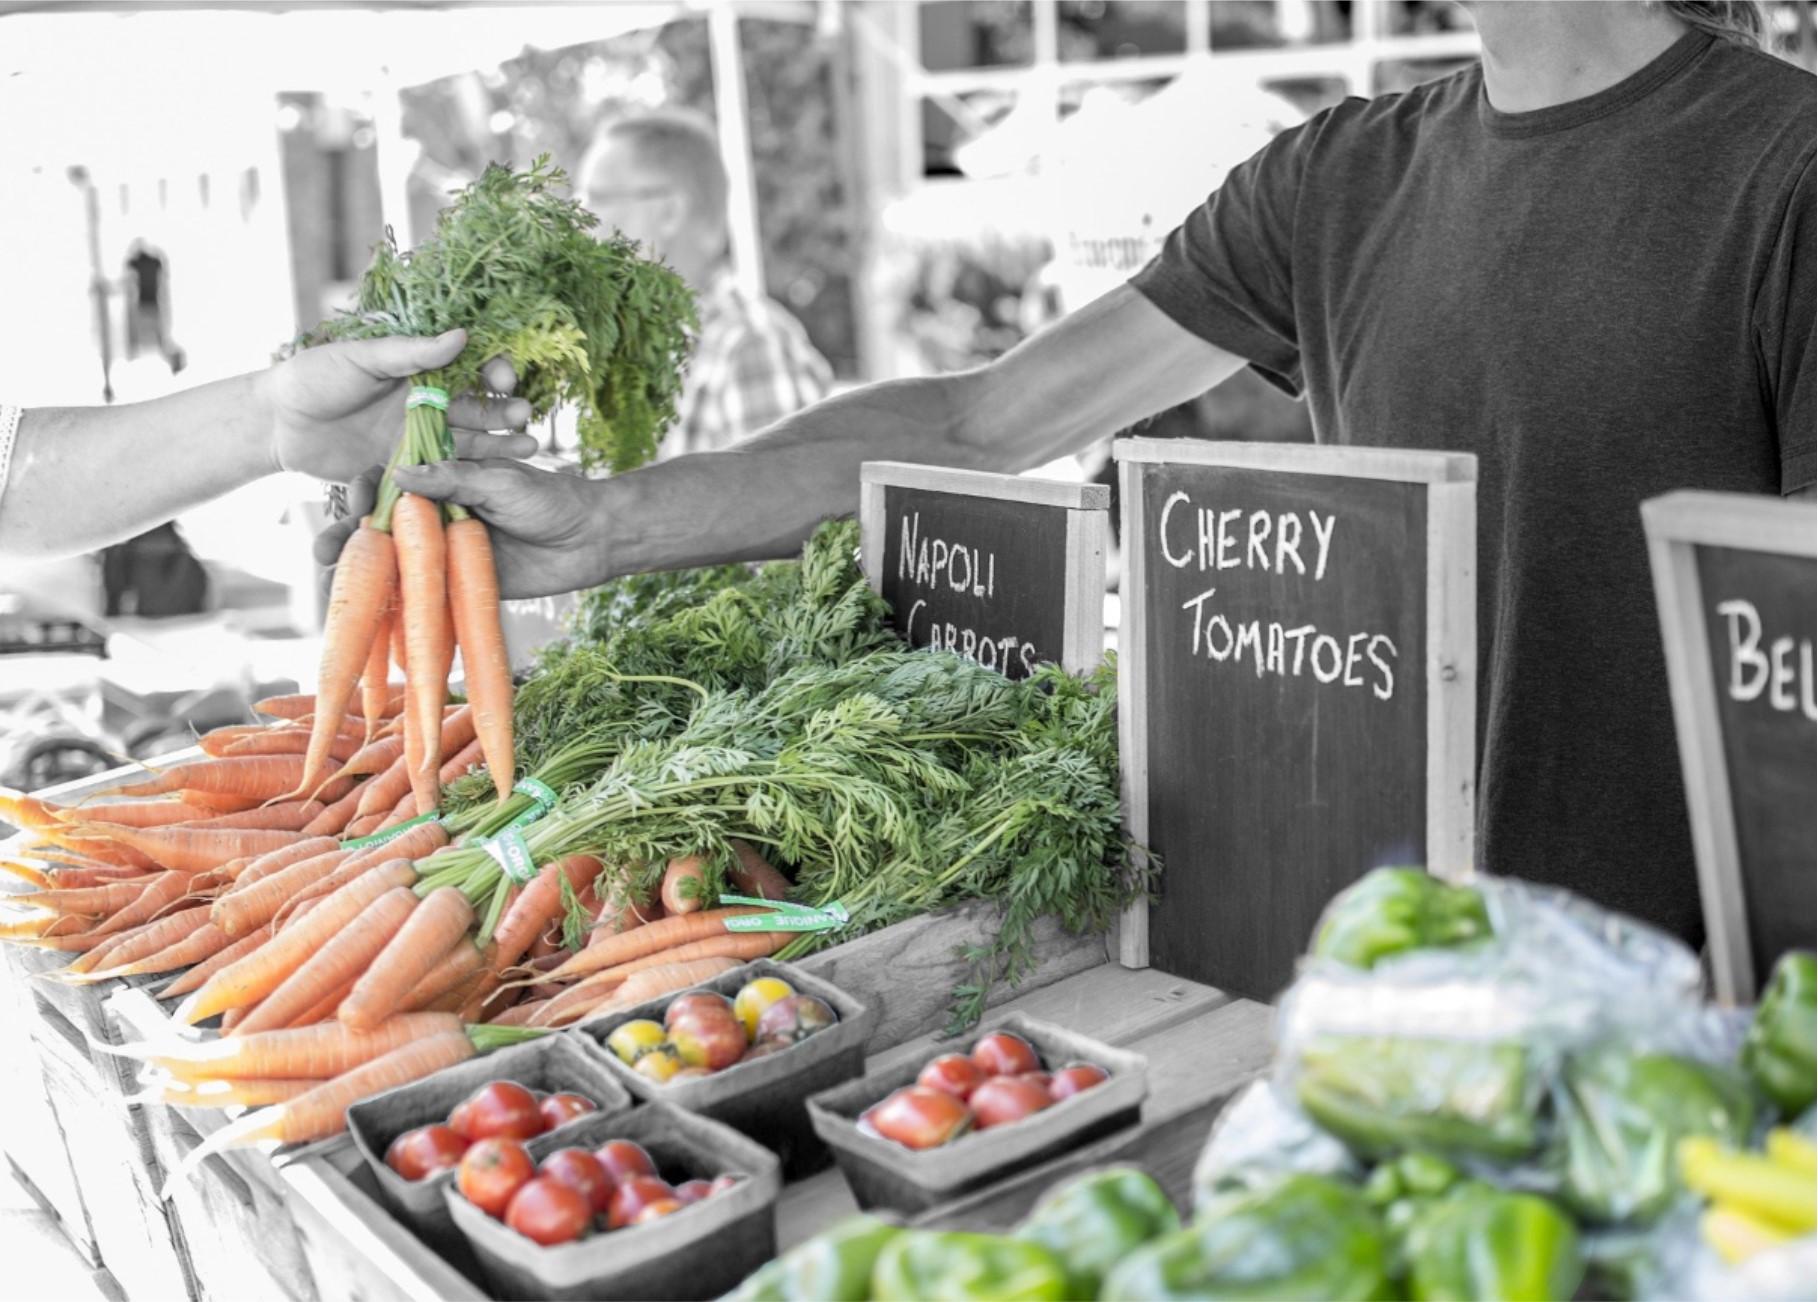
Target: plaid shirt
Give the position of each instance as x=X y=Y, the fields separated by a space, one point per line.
x=752 y=366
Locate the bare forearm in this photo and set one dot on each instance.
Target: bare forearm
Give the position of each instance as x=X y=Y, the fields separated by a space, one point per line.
x=84 y=477
x=758 y=501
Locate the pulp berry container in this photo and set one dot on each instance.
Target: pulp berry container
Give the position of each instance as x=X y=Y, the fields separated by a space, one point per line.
x=553 y=1064
x=883 y=1173
x=762 y=1098
x=701 y=1251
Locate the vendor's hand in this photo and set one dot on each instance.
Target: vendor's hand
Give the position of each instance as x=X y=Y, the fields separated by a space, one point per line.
x=338 y=408
x=545 y=525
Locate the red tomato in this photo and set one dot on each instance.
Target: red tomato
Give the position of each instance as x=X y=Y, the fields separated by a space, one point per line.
x=1041 y=1078
x=695 y=1003
x=558 y=1109
x=424 y=1151
x=709 y=1040
x=548 y=1211
x=503 y=1110
x=492 y=1171
x=692 y=1191
x=461 y=1120
x=952 y=1073
x=918 y=1117
x=1004 y=1099
x=1004 y=1054
x=581 y=1170
x=657 y=1210
x=621 y=1159
x=1069 y=1081
x=633 y=1196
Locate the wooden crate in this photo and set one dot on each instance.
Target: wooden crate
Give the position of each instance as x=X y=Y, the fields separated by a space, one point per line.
x=234 y=1223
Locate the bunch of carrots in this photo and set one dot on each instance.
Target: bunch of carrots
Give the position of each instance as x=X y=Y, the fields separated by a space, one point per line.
x=338 y=967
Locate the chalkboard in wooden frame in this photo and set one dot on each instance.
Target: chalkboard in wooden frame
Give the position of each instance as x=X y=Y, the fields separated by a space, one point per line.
x=1298 y=663
x=1734 y=577
x=1004 y=569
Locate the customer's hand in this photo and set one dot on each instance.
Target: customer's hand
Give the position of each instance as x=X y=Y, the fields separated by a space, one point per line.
x=339 y=408
x=546 y=526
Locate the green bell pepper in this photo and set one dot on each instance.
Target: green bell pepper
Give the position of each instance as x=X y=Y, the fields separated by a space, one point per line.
x=833 y=1266
x=1393 y=910
x=1097 y=1220
x=1303 y=1236
x=931 y=1266
x=1778 y=1051
x=1478 y=1243
x=1382 y=1095
x=1620 y=1117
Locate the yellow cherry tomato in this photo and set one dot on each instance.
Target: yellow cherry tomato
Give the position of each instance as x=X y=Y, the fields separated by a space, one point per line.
x=632 y=1040
x=754 y=997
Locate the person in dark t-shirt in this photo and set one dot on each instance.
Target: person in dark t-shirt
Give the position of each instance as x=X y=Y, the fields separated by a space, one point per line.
x=1588 y=260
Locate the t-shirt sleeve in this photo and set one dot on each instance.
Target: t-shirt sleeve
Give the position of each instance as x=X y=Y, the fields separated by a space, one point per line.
x=1784 y=311
x=1226 y=272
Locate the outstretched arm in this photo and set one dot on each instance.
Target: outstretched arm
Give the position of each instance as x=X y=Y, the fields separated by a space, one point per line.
x=1108 y=366
x=84 y=477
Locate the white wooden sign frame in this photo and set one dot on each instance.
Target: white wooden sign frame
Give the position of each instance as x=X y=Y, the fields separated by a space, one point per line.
x=1677 y=524
x=1088 y=508
x=1451 y=659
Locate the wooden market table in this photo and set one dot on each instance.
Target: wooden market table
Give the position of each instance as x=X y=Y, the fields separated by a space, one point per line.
x=307 y=1223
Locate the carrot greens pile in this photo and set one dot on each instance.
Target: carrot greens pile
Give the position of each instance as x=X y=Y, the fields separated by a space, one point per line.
x=775 y=707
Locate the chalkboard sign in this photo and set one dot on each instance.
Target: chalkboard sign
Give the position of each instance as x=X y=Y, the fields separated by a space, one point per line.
x=1734 y=576
x=1004 y=570
x=1298 y=658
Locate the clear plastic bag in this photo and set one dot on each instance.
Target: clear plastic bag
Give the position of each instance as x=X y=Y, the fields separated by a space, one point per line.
x=1259 y=1135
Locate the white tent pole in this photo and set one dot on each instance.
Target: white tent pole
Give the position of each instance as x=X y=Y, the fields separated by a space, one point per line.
x=394 y=157
x=735 y=145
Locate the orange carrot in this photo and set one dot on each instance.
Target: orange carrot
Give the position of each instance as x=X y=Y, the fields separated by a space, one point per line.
x=160 y=812
x=150 y=938
x=333 y=819
x=94 y=901
x=462 y=961
x=286 y=707
x=375 y=756
x=222 y=802
x=285 y=816
x=418 y=946
x=337 y=963
x=539 y=903
x=741 y=947
x=202 y=942
x=206 y=968
x=374 y=684
x=473 y=597
x=365 y=825
x=26 y=873
x=365 y=578
x=152 y=901
x=520 y=1014
x=258 y=974
x=384 y=791
x=92 y=958
x=245 y=776
x=192 y=850
x=318 y=1052
x=28 y=812
x=252 y=903
x=322 y=1111
x=684 y=884
x=666 y=933
x=323 y=1009
x=416 y=524
x=341 y=746
x=232 y=1018
x=272 y=861
x=752 y=874
x=419 y=842
x=651 y=983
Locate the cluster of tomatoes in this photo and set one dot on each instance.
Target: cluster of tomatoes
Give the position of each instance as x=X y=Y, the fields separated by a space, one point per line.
x=575 y=1190
x=501 y=1110
x=1000 y=1082
x=703 y=1032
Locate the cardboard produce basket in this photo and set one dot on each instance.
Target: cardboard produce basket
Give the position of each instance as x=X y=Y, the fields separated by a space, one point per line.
x=553 y=1064
x=701 y=1251
x=883 y=1173
x=763 y=1098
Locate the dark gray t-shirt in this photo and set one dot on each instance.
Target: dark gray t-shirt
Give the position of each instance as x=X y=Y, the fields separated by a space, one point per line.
x=1604 y=300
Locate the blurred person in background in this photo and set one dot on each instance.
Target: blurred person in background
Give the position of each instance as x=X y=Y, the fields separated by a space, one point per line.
x=1588 y=260
x=659 y=179
x=74 y=479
